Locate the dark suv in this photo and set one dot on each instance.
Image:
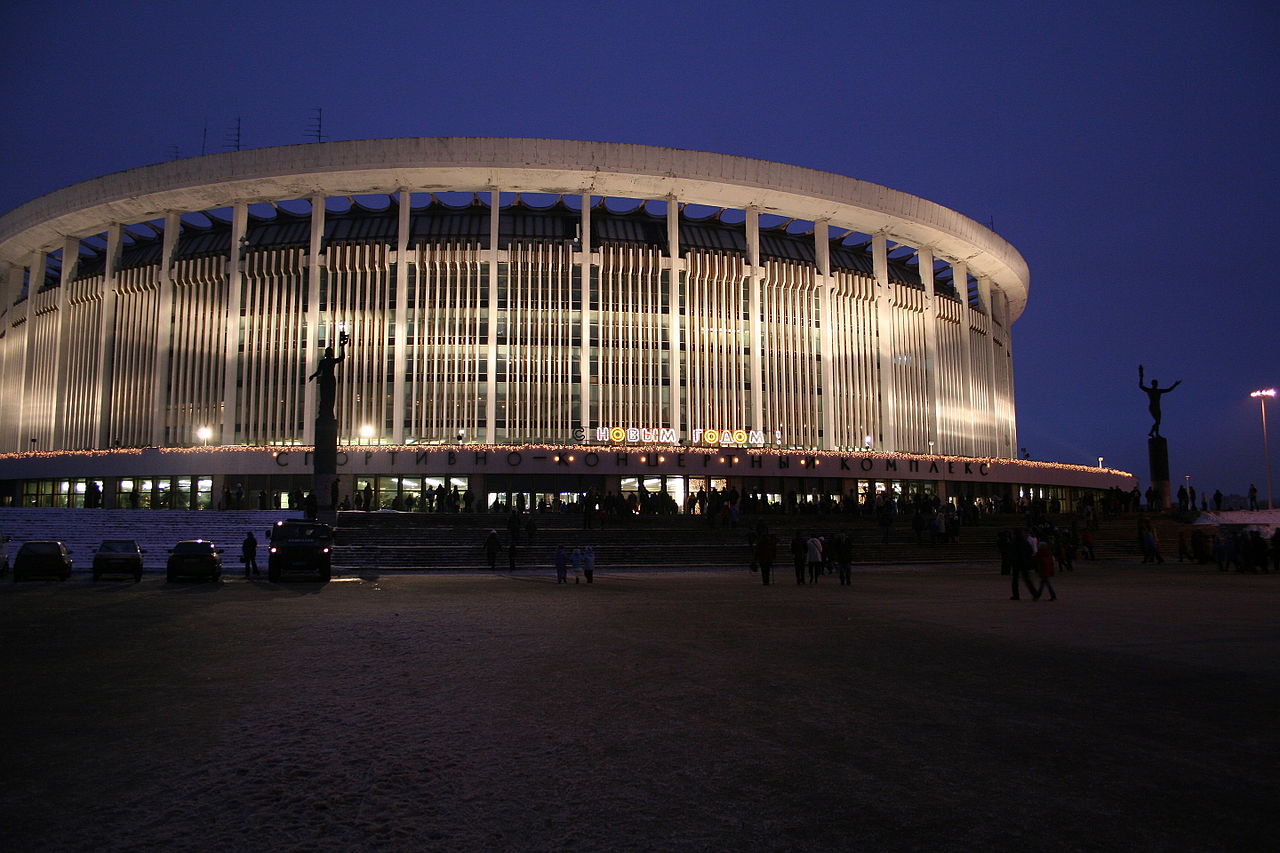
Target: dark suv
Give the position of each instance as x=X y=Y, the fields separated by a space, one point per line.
x=299 y=546
x=194 y=557
x=118 y=557
x=46 y=557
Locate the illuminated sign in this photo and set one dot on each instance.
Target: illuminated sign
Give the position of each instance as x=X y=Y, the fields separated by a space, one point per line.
x=703 y=436
x=637 y=435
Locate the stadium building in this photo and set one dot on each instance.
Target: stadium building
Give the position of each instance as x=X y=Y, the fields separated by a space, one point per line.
x=529 y=319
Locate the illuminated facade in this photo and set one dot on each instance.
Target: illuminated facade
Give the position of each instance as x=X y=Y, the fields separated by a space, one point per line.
x=499 y=292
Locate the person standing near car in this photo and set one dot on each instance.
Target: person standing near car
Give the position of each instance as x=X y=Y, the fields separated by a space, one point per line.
x=249 y=554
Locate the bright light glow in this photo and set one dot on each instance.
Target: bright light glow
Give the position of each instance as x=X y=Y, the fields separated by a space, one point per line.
x=1269 y=392
x=366 y=431
x=204 y=433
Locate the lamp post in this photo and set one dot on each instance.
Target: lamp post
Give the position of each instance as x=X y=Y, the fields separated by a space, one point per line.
x=1266 y=448
x=366 y=434
x=1099 y=461
x=204 y=434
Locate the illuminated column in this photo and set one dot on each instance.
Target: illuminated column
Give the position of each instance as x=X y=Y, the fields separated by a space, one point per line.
x=584 y=297
x=961 y=280
x=491 y=351
x=984 y=293
x=231 y=346
x=884 y=337
x=14 y=353
x=107 y=337
x=757 y=333
x=401 y=318
x=674 y=359
x=164 y=330
x=925 y=257
x=27 y=411
x=70 y=256
x=822 y=249
x=1012 y=450
x=315 y=271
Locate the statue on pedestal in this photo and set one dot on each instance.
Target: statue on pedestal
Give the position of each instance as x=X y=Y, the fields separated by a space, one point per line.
x=327 y=379
x=1154 y=391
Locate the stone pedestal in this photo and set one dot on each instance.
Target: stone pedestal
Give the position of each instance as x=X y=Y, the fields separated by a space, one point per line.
x=325 y=469
x=1158 y=461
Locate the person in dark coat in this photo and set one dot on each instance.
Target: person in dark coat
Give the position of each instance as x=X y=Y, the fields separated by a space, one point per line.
x=492 y=545
x=249 y=554
x=766 y=550
x=799 y=555
x=1024 y=550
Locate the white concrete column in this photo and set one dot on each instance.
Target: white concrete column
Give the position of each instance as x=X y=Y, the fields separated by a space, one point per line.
x=70 y=257
x=584 y=331
x=884 y=334
x=315 y=267
x=826 y=320
x=401 y=317
x=984 y=293
x=28 y=428
x=676 y=268
x=1012 y=450
x=961 y=281
x=757 y=330
x=231 y=347
x=14 y=366
x=925 y=258
x=491 y=351
x=107 y=337
x=164 y=329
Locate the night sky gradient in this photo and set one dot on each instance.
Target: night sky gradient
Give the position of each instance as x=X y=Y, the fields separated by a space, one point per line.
x=1126 y=149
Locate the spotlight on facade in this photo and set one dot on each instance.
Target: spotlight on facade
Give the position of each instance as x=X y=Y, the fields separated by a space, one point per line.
x=366 y=432
x=204 y=434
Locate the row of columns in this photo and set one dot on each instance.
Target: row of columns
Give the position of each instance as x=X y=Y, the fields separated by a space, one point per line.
x=887 y=440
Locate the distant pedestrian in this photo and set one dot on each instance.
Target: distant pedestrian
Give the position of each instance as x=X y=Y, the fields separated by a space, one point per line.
x=1025 y=546
x=575 y=562
x=1217 y=500
x=1044 y=562
x=814 y=557
x=766 y=550
x=589 y=563
x=530 y=528
x=1253 y=496
x=249 y=554
x=492 y=545
x=562 y=565
x=799 y=555
x=843 y=548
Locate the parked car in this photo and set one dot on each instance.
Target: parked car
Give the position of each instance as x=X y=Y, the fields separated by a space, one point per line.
x=118 y=556
x=42 y=557
x=299 y=546
x=194 y=557
x=4 y=555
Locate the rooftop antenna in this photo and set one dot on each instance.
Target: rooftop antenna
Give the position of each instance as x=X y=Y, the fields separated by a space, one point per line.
x=315 y=125
x=204 y=138
x=232 y=138
x=175 y=152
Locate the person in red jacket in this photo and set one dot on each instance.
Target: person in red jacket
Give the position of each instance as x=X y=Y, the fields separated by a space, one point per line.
x=1044 y=563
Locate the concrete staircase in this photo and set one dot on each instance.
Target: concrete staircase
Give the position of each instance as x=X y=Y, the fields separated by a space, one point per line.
x=387 y=541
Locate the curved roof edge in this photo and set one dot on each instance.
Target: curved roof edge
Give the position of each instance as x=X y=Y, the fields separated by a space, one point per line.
x=512 y=165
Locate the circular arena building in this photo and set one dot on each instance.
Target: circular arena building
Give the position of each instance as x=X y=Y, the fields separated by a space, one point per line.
x=529 y=320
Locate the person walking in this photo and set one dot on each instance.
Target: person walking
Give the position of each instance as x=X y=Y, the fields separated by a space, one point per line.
x=814 y=556
x=575 y=561
x=799 y=552
x=589 y=563
x=843 y=554
x=766 y=550
x=249 y=554
x=1024 y=551
x=562 y=565
x=492 y=545
x=1044 y=562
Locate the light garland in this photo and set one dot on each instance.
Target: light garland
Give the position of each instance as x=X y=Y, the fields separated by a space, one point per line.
x=661 y=450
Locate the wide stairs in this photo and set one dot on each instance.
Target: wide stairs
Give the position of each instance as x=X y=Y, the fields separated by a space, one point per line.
x=421 y=541
x=390 y=541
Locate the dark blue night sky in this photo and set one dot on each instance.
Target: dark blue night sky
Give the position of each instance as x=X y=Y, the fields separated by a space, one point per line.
x=1126 y=149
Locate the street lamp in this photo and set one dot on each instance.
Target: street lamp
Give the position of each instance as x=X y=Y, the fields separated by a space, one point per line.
x=204 y=434
x=366 y=432
x=1266 y=448
x=1099 y=461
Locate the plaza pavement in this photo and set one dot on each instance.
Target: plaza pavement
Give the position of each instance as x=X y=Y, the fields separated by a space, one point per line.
x=918 y=709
